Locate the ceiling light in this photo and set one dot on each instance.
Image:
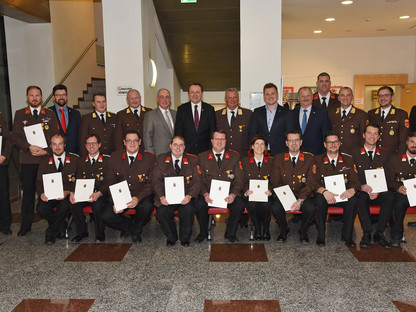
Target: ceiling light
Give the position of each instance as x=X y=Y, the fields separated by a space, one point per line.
x=317 y=31
x=330 y=19
x=347 y=2
x=404 y=17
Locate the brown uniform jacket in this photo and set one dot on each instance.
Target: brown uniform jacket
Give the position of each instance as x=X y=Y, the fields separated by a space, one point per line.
x=230 y=170
x=98 y=172
x=238 y=134
x=138 y=176
x=164 y=168
x=345 y=165
x=362 y=162
x=251 y=171
x=350 y=129
x=92 y=124
x=126 y=121
x=47 y=165
x=301 y=178
x=393 y=129
x=6 y=143
x=333 y=102
x=22 y=118
x=400 y=170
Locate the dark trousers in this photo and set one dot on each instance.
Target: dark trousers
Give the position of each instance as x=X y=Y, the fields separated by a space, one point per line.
x=5 y=209
x=386 y=202
x=260 y=215
x=350 y=211
x=186 y=219
x=56 y=219
x=79 y=217
x=236 y=211
x=308 y=210
x=399 y=212
x=123 y=223
x=28 y=174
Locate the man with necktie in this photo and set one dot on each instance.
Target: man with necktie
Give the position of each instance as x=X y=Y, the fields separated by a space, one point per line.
x=324 y=98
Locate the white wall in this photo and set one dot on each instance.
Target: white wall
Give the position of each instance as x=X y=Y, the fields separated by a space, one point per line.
x=209 y=96
x=29 y=57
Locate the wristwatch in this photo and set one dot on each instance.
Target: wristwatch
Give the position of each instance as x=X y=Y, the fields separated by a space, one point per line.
x=300 y=202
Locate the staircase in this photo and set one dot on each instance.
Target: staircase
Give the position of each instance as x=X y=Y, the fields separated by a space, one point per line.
x=85 y=103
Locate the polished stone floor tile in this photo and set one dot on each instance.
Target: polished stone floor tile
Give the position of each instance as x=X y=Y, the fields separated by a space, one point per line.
x=405 y=306
x=99 y=252
x=16 y=216
x=238 y=253
x=54 y=305
x=377 y=254
x=241 y=305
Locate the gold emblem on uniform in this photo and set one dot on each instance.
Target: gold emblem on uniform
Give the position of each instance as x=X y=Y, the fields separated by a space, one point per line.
x=391 y=132
x=241 y=128
x=303 y=180
x=352 y=130
x=46 y=127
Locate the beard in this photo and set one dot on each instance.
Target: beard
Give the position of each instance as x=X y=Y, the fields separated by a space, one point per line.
x=61 y=103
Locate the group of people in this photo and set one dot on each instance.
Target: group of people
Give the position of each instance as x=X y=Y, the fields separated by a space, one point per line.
x=323 y=135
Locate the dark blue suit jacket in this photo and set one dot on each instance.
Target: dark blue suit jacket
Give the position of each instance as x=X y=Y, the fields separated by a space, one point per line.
x=276 y=136
x=317 y=127
x=72 y=129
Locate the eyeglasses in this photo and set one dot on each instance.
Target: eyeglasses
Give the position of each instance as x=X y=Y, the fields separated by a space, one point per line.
x=60 y=95
x=91 y=143
x=332 y=142
x=384 y=95
x=132 y=141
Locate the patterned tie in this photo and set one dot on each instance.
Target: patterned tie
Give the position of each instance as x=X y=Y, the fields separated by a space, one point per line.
x=324 y=102
x=370 y=155
x=232 y=118
x=177 y=168
x=168 y=122
x=304 y=120
x=294 y=161
x=63 y=120
x=102 y=119
x=35 y=114
x=196 y=118
x=218 y=159
x=60 y=164
x=333 y=163
x=131 y=160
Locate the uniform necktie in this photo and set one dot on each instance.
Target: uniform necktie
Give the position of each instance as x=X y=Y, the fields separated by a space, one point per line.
x=412 y=161
x=168 y=122
x=304 y=120
x=294 y=161
x=196 y=118
x=232 y=118
x=60 y=164
x=218 y=159
x=177 y=168
x=259 y=165
x=92 y=162
x=324 y=102
x=333 y=163
x=344 y=114
x=102 y=119
x=136 y=113
x=63 y=121
x=35 y=114
x=131 y=160
x=382 y=115
x=370 y=155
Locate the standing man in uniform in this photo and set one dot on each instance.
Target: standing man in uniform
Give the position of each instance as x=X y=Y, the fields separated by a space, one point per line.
x=69 y=119
x=235 y=121
x=159 y=125
x=324 y=98
x=195 y=121
x=270 y=120
x=100 y=122
x=173 y=164
x=220 y=164
x=348 y=122
x=131 y=118
x=30 y=155
x=136 y=168
x=393 y=122
x=6 y=151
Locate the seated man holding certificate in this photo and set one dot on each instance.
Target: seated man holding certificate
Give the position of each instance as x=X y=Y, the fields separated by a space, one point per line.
x=256 y=168
x=176 y=182
x=402 y=168
x=220 y=166
x=136 y=168
x=340 y=170
x=367 y=158
x=51 y=195
x=92 y=168
x=297 y=170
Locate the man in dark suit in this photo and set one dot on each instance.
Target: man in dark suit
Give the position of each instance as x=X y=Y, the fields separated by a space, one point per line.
x=69 y=120
x=313 y=122
x=195 y=121
x=324 y=98
x=159 y=124
x=235 y=121
x=6 y=151
x=270 y=120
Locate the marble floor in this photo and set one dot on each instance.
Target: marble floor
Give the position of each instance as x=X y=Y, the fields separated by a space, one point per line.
x=217 y=276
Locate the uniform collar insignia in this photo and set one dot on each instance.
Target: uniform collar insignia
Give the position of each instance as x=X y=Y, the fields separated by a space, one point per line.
x=377 y=111
x=67 y=160
x=404 y=157
x=143 y=109
x=224 y=111
x=100 y=158
x=363 y=151
x=108 y=114
x=392 y=111
x=265 y=160
x=337 y=111
x=124 y=155
x=128 y=111
x=252 y=160
x=139 y=156
x=87 y=158
x=286 y=156
x=332 y=96
x=42 y=111
x=94 y=115
x=185 y=161
x=27 y=111
x=301 y=157
x=340 y=159
x=352 y=111
x=50 y=161
x=226 y=156
x=377 y=151
x=168 y=159
x=316 y=96
x=210 y=156
x=326 y=160
x=240 y=111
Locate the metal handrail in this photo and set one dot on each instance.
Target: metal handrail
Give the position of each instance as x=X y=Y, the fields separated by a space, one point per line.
x=72 y=68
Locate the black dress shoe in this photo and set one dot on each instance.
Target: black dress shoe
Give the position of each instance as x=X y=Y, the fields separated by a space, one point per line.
x=7 y=232
x=100 y=239
x=49 y=240
x=395 y=243
x=185 y=244
x=136 y=238
x=232 y=238
x=79 y=238
x=383 y=242
x=200 y=238
x=350 y=243
x=304 y=239
x=258 y=236
x=320 y=242
x=22 y=232
x=170 y=243
x=283 y=236
x=365 y=241
x=266 y=236
x=411 y=224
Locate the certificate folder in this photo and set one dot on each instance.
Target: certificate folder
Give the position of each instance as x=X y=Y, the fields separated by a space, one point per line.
x=259 y=188
x=53 y=185
x=218 y=192
x=35 y=136
x=410 y=185
x=376 y=178
x=286 y=196
x=83 y=189
x=336 y=184
x=174 y=190
x=120 y=193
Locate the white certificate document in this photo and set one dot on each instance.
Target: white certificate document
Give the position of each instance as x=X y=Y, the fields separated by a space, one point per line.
x=410 y=185
x=376 y=178
x=259 y=188
x=174 y=190
x=1 y=142
x=53 y=186
x=286 y=196
x=336 y=184
x=83 y=189
x=218 y=192
x=35 y=136
x=120 y=193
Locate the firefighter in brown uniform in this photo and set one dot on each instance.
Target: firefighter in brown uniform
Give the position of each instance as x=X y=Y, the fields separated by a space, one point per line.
x=30 y=155
x=63 y=162
x=100 y=122
x=257 y=166
x=324 y=98
x=136 y=168
x=296 y=169
x=6 y=151
x=370 y=157
x=130 y=118
x=173 y=164
x=402 y=167
x=348 y=122
x=92 y=166
x=393 y=122
x=220 y=164
x=332 y=162
x=235 y=121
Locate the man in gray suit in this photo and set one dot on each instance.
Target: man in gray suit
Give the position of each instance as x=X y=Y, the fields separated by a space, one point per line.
x=158 y=127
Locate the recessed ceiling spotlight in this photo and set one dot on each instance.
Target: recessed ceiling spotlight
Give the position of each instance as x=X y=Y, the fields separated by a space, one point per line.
x=404 y=17
x=347 y=2
x=317 y=31
x=330 y=19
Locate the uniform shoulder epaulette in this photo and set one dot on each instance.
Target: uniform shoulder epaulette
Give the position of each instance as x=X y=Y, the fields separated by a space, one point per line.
x=106 y=155
x=191 y=155
x=307 y=153
x=347 y=154
x=234 y=151
x=271 y=157
x=383 y=149
x=146 y=151
x=70 y=153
